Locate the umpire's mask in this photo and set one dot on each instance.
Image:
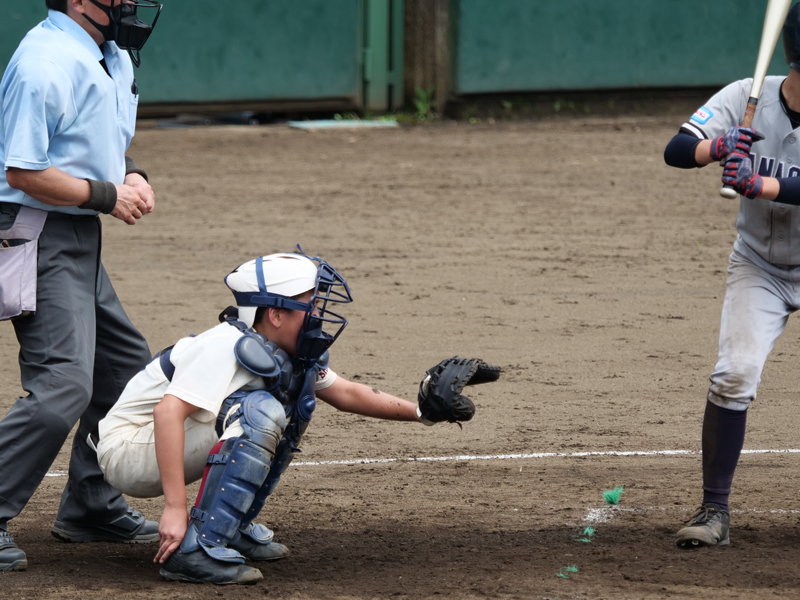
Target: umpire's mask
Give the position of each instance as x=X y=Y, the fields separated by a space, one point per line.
x=124 y=26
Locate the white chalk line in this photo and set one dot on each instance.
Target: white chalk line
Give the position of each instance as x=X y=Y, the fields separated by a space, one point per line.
x=370 y=461
x=606 y=513
x=521 y=456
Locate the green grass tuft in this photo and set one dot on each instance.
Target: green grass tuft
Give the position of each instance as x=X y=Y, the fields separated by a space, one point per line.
x=612 y=496
x=564 y=571
x=587 y=535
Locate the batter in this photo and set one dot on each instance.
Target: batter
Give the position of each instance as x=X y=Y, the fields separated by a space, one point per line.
x=762 y=163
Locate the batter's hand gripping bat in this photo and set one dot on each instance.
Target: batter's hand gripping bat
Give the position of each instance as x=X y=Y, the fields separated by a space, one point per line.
x=773 y=23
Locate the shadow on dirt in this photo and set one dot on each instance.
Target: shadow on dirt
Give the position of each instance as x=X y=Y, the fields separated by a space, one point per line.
x=392 y=557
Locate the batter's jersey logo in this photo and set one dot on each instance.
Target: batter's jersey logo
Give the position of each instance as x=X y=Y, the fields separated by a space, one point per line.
x=770 y=167
x=702 y=115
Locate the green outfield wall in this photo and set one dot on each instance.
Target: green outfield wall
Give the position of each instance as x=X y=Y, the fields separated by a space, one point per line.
x=353 y=53
x=545 y=45
x=211 y=51
x=214 y=51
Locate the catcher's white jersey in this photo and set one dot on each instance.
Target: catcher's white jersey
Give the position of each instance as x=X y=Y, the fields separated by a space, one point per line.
x=206 y=372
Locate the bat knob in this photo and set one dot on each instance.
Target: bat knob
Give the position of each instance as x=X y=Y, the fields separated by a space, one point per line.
x=728 y=192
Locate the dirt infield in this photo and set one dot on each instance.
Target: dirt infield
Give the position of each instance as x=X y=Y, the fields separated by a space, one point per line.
x=565 y=251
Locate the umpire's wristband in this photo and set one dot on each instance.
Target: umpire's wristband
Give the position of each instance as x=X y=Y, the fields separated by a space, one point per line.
x=102 y=196
x=130 y=167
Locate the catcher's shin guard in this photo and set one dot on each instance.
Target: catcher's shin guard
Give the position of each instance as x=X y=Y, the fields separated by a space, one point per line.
x=254 y=540
x=283 y=456
x=300 y=414
x=236 y=473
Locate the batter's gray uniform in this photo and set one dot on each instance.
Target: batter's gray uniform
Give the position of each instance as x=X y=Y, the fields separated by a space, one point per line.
x=765 y=262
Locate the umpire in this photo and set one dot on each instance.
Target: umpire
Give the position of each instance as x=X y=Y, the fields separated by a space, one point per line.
x=68 y=103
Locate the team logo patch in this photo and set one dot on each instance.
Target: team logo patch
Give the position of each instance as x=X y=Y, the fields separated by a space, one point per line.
x=702 y=115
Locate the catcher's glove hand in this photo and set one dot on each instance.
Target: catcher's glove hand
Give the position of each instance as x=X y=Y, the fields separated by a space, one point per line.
x=440 y=396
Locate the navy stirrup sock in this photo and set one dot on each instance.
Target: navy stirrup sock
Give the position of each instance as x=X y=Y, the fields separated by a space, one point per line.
x=723 y=438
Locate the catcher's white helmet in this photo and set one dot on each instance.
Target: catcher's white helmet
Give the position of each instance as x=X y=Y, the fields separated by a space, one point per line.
x=285 y=275
x=272 y=280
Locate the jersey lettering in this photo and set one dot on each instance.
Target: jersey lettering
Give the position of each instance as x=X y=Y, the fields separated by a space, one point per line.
x=702 y=115
x=765 y=167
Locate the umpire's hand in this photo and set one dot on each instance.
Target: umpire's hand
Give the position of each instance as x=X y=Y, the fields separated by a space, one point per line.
x=133 y=201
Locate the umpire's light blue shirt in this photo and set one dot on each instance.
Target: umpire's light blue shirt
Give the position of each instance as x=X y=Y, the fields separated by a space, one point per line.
x=60 y=108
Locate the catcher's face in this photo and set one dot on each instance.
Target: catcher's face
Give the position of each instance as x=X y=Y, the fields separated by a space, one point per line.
x=283 y=326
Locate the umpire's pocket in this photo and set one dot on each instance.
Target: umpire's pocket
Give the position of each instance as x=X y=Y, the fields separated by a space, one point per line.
x=17 y=280
x=19 y=246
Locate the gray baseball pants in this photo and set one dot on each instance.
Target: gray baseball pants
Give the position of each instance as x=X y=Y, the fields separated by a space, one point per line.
x=77 y=353
x=760 y=297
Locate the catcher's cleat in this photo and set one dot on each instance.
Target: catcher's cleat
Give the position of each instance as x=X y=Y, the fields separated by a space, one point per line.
x=707 y=527
x=254 y=551
x=12 y=558
x=199 y=567
x=130 y=528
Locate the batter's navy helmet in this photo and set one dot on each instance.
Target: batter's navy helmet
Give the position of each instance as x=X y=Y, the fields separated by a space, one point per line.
x=791 y=37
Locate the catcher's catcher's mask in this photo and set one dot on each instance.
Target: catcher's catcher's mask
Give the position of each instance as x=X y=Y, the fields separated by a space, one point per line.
x=124 y=26
x=321 y=325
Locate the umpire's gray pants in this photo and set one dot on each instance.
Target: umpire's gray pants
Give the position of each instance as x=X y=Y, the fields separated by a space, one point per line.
x=759 y=298
x=77 y=353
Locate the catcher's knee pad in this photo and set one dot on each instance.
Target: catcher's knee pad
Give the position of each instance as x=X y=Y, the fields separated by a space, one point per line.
x=261 y=416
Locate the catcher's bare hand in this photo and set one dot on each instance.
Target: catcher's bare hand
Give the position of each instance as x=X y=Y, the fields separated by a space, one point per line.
x=171 y=529
x=440 y=396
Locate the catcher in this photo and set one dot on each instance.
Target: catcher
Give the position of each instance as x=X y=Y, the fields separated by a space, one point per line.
x=231 y=405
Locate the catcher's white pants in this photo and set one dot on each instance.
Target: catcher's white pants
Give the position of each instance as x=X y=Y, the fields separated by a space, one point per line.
x=127 y=452
x=760 y=297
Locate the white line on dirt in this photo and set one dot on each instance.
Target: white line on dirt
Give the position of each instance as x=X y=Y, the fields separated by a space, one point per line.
x=605 y=513
x=369 y=461
x=466 y=457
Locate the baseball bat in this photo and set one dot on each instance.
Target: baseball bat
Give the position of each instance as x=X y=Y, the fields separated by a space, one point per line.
x=773 y=23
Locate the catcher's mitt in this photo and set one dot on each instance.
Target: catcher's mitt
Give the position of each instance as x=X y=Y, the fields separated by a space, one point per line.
x=440 y=396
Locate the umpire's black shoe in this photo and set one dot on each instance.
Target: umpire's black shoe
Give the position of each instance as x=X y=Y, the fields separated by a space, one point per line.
x=707 y=527
x=130 y=528
x=199 y=567
x=11 y=557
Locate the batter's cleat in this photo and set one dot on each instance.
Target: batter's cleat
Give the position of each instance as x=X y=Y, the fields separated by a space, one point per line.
x=254 y=551
x=199 y=567
x=11 y=557
x=707 y=527
x=130 y=528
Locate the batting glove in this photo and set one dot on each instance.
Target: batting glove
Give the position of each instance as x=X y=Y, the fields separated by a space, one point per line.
x=738 y=173
x=738 y=139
